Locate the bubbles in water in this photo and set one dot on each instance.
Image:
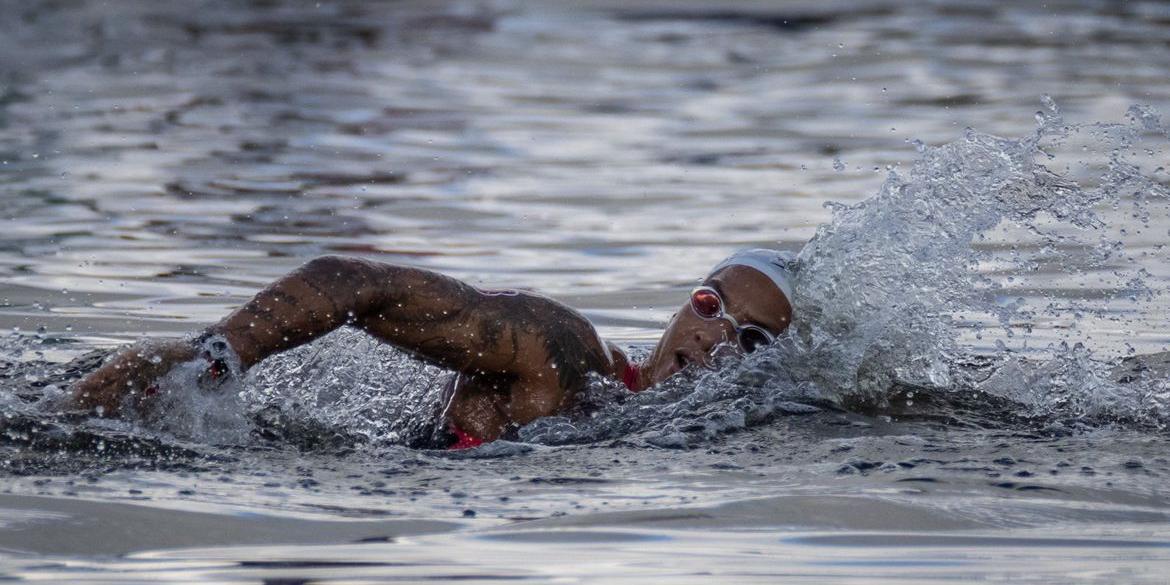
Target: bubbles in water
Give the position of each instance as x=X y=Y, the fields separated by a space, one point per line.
x=1148 y=117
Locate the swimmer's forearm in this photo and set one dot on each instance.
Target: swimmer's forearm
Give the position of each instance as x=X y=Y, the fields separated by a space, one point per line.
x=313 y=300
x=417 y=310
x=321 y=296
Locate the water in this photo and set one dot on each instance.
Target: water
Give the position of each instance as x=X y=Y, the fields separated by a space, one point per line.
x=959 y=400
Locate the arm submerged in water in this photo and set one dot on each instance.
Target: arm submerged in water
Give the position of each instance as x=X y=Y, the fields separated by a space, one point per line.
x=534 y=350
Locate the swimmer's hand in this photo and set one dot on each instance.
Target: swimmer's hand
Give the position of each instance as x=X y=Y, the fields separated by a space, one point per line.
x=131 y=374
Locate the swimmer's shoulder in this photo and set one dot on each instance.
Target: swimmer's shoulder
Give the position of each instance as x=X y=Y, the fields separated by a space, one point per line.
x=567 y=337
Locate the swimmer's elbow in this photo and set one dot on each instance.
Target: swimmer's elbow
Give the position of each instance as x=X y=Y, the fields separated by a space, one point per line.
x=351 y=276
x=334 y=266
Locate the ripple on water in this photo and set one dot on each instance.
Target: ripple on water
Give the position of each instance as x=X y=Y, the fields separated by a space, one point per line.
x=161 y=162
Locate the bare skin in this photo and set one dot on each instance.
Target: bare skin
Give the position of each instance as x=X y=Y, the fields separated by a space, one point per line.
x=521 y=356
x=689 y=339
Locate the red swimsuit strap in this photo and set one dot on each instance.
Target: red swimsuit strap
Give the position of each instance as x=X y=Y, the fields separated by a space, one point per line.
x=631 y=375
x=463 y=439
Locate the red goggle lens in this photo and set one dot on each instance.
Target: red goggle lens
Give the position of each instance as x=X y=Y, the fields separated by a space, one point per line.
x=706 y=303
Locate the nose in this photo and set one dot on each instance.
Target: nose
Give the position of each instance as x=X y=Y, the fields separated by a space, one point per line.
x=710 y=333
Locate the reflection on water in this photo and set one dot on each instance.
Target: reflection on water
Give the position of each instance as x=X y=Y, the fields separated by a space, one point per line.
x=641 y=556
x=161 y=161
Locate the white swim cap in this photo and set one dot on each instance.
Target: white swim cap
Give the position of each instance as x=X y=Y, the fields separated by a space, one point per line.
x=777 y=265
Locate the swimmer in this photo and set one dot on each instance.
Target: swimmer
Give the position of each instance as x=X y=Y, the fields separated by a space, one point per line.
x=519 y=356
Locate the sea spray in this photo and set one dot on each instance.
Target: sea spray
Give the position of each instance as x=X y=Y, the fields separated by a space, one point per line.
x=350 y=383
x=888 y=290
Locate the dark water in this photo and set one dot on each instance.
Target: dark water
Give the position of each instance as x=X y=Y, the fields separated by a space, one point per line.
x=934 y=419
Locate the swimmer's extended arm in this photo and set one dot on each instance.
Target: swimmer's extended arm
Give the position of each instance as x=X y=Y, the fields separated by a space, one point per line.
x=542 y=346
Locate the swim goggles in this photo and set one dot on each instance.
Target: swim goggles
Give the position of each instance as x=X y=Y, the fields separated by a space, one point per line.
x=707 y=303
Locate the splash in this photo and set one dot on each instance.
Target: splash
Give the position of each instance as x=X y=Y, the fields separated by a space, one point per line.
x=902 y=288
x=349 y=383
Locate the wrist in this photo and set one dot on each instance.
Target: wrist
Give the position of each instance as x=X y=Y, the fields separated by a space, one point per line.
x=223 y=362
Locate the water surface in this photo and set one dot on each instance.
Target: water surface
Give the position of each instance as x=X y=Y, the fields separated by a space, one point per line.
x=160 y=163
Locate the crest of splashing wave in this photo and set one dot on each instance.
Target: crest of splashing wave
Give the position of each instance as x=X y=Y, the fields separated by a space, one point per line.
x=883 y=286
x=350 y=382
x=884 y=295
x=886 y=278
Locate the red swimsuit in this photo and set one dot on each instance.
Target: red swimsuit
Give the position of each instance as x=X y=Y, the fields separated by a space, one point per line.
x=465 y=440
x=630 y=377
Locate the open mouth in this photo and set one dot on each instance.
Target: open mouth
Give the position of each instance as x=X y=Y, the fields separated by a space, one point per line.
x=681 y=360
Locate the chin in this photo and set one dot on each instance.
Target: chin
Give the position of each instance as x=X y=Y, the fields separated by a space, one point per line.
x=657 y=375
x=662 y=373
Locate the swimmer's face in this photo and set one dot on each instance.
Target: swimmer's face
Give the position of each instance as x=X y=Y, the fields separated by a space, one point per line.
x=748 y=296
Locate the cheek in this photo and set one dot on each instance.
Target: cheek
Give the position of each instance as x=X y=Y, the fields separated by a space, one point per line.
x=670 y=336
x=674 y=332
x=682 y=329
